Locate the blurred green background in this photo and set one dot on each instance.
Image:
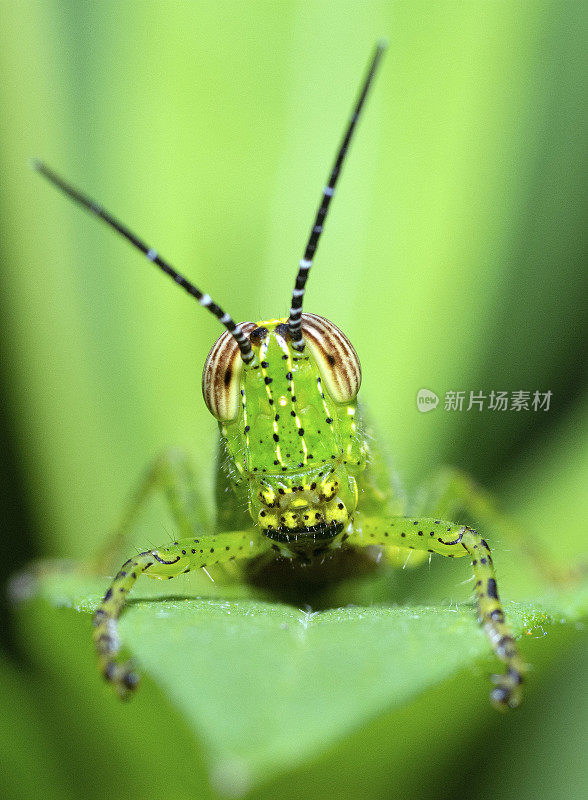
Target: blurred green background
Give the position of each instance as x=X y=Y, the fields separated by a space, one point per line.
x=453 y=258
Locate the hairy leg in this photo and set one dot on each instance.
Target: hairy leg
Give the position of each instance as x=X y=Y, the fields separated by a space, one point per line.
x=161 y=562
x=451 y=540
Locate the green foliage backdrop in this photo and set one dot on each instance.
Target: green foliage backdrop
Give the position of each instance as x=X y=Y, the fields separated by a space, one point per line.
x=453 y=259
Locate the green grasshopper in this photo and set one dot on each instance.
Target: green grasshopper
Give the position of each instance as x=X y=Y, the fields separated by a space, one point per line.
x=301 y=480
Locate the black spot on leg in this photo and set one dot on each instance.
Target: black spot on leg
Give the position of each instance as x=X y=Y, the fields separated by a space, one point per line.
x=491 y=589
x=162 y=561
x=107 y=596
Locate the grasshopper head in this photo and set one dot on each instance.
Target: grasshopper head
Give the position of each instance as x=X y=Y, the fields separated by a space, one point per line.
x=289 y=422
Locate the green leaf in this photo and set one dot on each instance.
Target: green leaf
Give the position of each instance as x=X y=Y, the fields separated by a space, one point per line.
x=265 y=686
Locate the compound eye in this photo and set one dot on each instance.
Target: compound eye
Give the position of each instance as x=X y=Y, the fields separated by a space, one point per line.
x=335 y=355
x=221 y=376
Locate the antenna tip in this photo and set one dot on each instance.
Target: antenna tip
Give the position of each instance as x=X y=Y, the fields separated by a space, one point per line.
x=383 y=44
x=36 y=164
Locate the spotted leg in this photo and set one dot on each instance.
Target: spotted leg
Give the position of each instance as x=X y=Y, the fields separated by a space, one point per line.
x=161 y=562
x=449 y=539
x=173 y=475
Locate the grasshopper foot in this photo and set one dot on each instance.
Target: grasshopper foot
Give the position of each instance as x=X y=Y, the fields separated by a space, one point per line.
x=507 y=693
x=122 y=677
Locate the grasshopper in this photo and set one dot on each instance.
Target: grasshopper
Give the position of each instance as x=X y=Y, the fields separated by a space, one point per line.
x=300 y=478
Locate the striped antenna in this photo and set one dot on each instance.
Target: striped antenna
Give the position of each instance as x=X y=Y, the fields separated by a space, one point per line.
x=295 y=320
x=204 y=299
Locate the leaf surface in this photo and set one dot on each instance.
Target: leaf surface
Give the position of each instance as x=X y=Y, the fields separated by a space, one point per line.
x=264 y=685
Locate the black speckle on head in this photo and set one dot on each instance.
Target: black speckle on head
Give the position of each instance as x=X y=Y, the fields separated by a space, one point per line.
x=264 y=364
x=283 y=331
x=300 y=431
x=267 y=380
x=276 y=437
x=258 y=335
x=289 y=376
x=293 y=398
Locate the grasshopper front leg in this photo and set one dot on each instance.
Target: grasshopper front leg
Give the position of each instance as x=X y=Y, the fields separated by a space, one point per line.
x=161 y=563
x=451 y=540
